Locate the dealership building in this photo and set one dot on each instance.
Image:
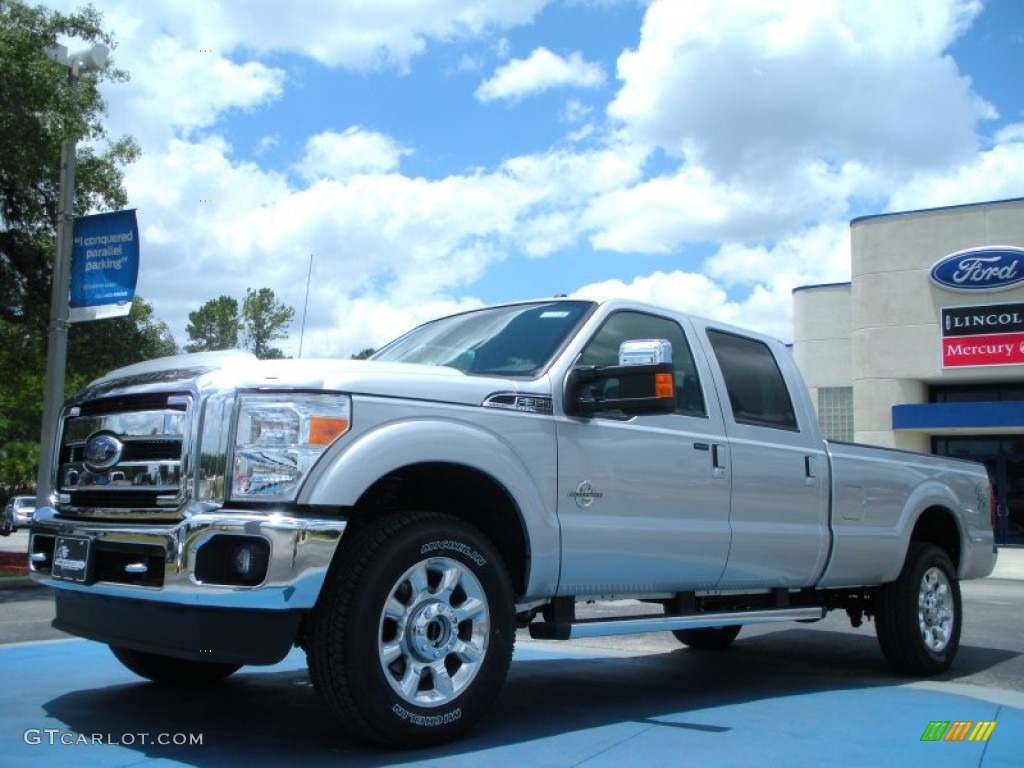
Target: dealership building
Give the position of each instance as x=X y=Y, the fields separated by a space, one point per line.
x=924 y=348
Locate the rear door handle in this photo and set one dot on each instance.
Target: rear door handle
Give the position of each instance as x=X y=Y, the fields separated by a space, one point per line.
x=810 y=473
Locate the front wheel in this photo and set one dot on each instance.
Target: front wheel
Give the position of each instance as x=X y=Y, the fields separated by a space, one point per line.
x=918 y=616
x=171 y=670
x=412 y=636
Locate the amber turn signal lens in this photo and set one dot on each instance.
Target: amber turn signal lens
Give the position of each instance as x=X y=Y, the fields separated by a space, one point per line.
x=663 y=385
x=323 y=430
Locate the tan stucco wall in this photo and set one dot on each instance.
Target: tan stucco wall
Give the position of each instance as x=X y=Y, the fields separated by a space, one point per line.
x=822 y=345
x=887 y=326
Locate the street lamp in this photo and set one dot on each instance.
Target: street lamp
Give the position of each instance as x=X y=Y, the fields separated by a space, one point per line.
x=92 y=59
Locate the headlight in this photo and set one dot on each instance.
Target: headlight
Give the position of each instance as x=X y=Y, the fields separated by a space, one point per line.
x=278 y=439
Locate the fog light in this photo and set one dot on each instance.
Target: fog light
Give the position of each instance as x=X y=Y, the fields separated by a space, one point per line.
x=232 y=560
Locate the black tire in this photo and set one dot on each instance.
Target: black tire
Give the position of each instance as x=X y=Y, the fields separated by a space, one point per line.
x=173 y=671
x=918 y=617
x=412 y=636
x=707 y=638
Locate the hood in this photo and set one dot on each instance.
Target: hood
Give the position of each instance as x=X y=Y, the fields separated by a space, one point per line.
x=241 y=370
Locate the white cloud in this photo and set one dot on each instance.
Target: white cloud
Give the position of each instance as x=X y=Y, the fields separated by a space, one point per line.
x=192 y=61
x=656 y=215
x=570 y=177
x=994 y=174
x=755 y=125
x=767 y=275
x=377 y=236
x=773 y=114
x=541 y=71
x=750 y=88
x=175 y=90
x=564 y=182
x=369 y=320
x=215 y=226
x=684 y=291
x=817 y=254
x=575 y=111
x=354 y=150
x=201 y=86
x=342 y=33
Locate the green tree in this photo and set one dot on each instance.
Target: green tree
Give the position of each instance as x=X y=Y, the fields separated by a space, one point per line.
x=363 y=354
x=264 y=319
x=97 y=347
x=39 y=109
x=21 y=385
x=215 y=325
x=18 y=464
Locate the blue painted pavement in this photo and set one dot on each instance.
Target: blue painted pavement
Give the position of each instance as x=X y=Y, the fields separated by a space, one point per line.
x=70 y=703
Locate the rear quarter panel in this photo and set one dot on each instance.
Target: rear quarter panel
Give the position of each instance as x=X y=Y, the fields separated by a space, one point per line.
x=878 y=495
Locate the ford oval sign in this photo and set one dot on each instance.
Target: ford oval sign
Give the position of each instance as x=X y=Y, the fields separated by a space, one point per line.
x=102 y=451
x=992 y=268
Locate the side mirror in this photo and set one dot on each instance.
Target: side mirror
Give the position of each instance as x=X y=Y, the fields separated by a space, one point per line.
x=642 y=383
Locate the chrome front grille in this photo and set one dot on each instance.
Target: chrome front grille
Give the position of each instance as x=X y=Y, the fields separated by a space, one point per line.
x=125 y=455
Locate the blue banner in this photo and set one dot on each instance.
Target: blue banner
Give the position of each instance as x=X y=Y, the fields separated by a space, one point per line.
x=104 y=265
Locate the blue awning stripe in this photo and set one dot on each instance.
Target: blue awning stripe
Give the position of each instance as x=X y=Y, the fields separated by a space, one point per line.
x=957 y=415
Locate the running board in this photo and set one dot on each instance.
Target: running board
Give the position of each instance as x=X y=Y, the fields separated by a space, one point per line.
x=629 y=625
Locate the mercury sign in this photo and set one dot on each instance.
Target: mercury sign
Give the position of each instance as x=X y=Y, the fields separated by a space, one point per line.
x=991 y=268
x=104 y=266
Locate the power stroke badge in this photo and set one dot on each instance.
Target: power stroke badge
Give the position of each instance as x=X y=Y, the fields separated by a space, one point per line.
x=585 y=495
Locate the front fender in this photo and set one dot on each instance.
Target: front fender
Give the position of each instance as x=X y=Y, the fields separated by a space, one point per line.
x=521 y=459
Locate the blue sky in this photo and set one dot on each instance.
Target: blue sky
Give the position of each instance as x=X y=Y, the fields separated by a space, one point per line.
x=434 y=155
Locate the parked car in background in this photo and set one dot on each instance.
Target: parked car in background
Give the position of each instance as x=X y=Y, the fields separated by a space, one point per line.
x=17 y=514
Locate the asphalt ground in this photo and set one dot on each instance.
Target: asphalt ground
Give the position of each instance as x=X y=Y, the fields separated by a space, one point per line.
x=792 y=696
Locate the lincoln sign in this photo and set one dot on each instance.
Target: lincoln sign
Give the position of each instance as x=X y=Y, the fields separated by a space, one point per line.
x=992 y=334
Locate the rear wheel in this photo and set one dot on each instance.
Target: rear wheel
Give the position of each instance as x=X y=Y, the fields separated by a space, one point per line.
x=707 y=638
x=168 y=669
x=918 y=617
x=412 y=636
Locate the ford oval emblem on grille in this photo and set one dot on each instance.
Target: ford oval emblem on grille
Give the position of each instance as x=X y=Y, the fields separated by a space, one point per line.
x=102 y=451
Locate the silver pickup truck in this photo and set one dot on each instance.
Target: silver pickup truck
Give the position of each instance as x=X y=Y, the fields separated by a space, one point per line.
x=398 y=518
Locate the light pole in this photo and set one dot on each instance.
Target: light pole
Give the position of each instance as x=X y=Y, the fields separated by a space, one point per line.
x=81 y=62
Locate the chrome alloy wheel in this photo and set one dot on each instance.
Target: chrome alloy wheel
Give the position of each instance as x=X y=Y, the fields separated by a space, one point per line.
x=935 y=610
x=433 y=632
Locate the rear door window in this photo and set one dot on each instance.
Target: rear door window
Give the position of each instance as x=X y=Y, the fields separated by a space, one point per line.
x=757 y=389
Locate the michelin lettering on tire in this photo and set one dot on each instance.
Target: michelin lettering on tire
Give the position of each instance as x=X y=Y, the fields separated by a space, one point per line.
x=429 y=721
x=426 y=596
x=454 y=546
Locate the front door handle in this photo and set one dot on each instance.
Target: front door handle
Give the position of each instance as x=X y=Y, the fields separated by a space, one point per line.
x=717 y=460
x=716 y=456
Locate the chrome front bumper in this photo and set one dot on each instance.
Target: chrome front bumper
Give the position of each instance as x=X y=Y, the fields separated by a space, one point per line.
x=300 y=552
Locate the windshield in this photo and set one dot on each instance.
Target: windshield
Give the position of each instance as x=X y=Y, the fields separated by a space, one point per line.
x=516 y=340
